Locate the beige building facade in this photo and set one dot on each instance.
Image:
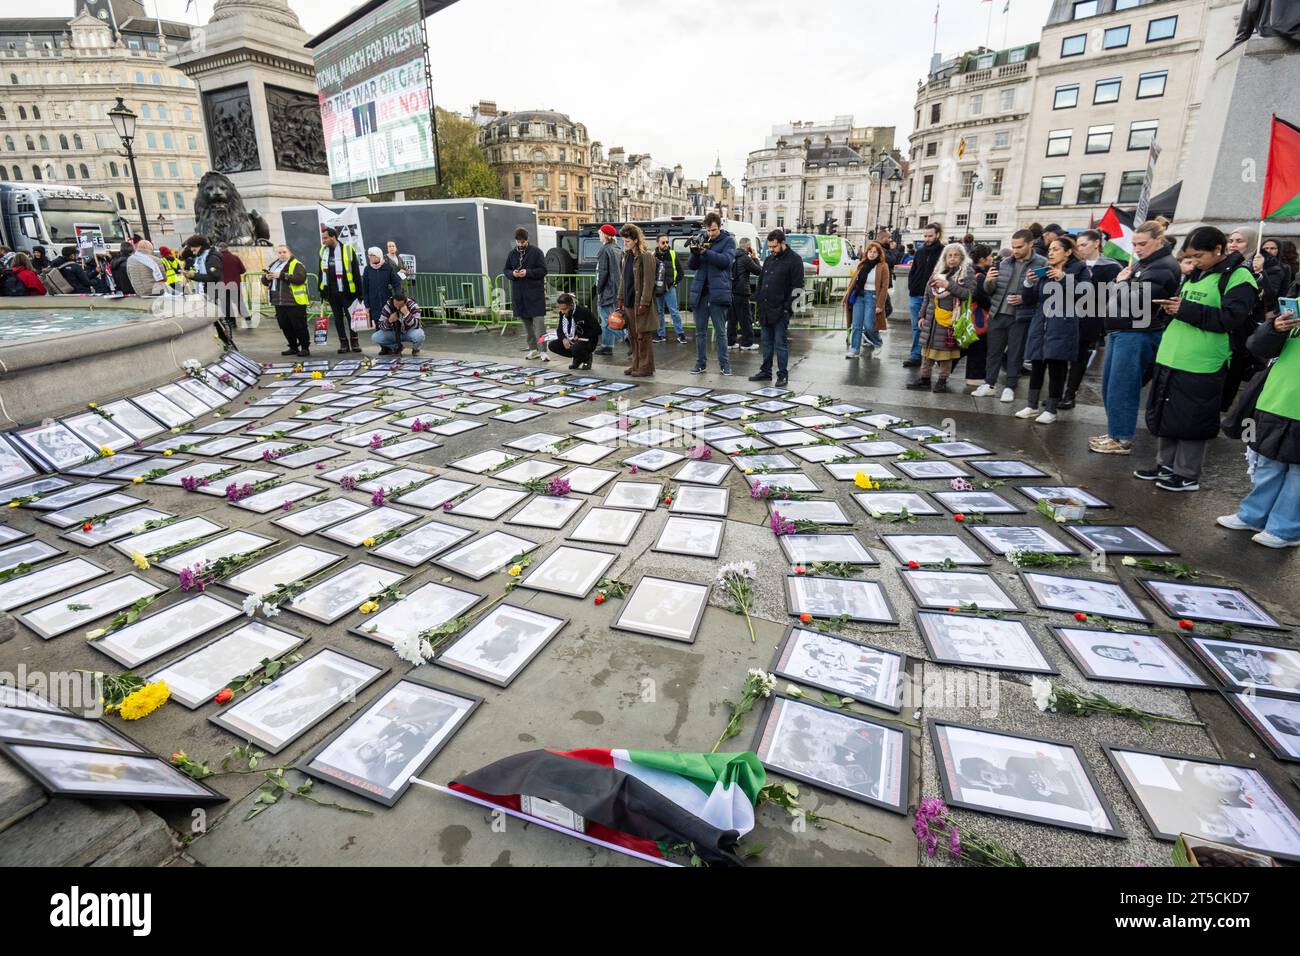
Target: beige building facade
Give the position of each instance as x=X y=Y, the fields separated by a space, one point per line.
x=541 y=157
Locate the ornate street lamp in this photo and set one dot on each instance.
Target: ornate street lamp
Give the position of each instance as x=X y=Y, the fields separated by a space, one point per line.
x=124 y=123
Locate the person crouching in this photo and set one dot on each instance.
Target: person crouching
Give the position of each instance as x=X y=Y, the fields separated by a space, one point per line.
x=399 y=324
x=578 y=333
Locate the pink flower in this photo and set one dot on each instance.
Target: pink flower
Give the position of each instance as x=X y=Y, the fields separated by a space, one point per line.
x=377 y=499
x=780 y=526
x=759 y=491
x=961 y=484
x=557 y=488
x=268 y=455
x=320 y=466
x=376 y=441
x=446 y=506
x=701 y=452
x=328 y=386
x=348 y=482
x=635 y=470
x=191 y=579
x=287 y=506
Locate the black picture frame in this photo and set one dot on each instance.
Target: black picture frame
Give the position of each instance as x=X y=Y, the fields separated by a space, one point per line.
x=907 y=575
x=130 y=745
x=889 y=539
x=1153 y=588
x=478 y=674
x=300 y=640
x=1091 y=673
x=312 y=616
x=984 y=533
x=1081 y=534
x=660 y=548
x=20 y=754
x=790 y=598
x=619 y=625
x=786 y=546
x=1212 y=664
x=1026 y=579
x=528 y=581
x=923 y=615
x=904 y=749
x=944 y=772
x=787 y=641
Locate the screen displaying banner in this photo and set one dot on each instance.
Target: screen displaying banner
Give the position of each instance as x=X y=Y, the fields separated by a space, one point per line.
x=376 y=110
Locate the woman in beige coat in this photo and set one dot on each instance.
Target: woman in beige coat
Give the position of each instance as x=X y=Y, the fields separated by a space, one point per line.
x=636 y=296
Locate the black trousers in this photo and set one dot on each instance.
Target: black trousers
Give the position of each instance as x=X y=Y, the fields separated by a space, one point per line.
x=580 y=353
x=1055 y=371
x=740 y=321
x=1079 y=367
x=339 y=302
x=293 y=323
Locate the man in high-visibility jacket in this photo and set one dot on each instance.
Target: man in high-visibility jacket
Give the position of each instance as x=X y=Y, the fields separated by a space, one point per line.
x=286 y=280
x=173 y=270
x=340 y=283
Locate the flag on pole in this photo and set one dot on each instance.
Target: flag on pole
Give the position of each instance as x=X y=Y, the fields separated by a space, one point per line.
x=936 y=14
x=1006 y=7
x=961 y=147
x=1118 y=227
x=1282 y=178
x=644 y=800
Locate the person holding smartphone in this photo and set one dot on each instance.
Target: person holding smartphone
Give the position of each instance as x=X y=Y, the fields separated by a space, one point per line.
x=1272 y=509
x=1053 y=342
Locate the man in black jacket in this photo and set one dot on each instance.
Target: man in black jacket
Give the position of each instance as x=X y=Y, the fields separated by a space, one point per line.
x=577 y=334
x=526 y=269
x=740 y=322
x=923 y=263
x=117 y=268
x=780 y=284
x=72 y=269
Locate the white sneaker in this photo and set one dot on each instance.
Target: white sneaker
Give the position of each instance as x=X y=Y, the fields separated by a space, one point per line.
x=1273 y=541
x=1232 y=522
x=546 y=356
x=984 y=391
x=1046 y=418
x=532 y=354
x=850 y=355
x=1008 y=395
x=1027 y=412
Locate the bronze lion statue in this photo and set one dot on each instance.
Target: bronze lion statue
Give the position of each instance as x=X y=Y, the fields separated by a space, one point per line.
x=219 y=211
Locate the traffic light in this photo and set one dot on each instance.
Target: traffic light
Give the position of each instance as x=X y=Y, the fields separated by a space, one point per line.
x=832 y=226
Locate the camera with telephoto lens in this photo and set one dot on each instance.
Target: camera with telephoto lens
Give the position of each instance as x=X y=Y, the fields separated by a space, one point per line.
x=698 y=242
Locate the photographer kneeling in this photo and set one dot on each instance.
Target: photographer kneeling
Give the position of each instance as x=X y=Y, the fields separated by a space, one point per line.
x=578 y=333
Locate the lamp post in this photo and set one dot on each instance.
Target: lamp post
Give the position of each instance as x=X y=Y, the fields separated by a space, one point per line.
x=975 y=184
x=895 y=181
x=124 y=123
x=879 y=170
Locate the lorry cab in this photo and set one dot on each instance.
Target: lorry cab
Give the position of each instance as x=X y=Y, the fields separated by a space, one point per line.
x=34 y=215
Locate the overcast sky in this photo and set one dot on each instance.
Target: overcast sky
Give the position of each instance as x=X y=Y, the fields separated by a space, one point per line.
x=708 y=77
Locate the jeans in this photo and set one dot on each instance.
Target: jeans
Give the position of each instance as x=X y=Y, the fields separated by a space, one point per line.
x=668 y=302
x=914 y=303
x=609 y=336
x=1274 y=502
x=715 y=314
x=1055 y=370
x=776 y=338
x=864 y=322
x=387 y=338
x=1130 y=357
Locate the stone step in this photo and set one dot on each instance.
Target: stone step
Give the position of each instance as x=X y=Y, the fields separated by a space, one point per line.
x=83 y=832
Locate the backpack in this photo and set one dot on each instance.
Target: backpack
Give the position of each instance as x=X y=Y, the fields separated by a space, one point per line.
x=13 y=286
x=56 y=283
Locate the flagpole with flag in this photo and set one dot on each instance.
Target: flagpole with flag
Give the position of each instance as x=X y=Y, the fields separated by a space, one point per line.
x=1281 y=198
x=1006 y=9
x=988 y=30
x=935 y=48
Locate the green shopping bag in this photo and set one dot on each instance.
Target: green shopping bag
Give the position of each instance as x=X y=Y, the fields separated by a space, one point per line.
x=963 y=327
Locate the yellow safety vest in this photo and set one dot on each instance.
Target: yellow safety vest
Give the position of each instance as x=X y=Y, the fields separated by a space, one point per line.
x=171 y=270
x=349 y=257
x=300 y=290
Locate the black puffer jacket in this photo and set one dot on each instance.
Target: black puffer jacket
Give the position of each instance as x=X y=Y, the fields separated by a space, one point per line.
x=742 y=267
x=1160 y=274
x=922 y=267
x=1276 y=436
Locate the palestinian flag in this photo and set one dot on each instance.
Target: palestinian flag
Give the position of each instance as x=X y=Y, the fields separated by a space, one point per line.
x=1118 y=227
x=644 y=800
x=1282 y=180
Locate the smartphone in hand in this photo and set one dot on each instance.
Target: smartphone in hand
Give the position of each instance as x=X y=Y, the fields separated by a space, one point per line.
x=1289 y=305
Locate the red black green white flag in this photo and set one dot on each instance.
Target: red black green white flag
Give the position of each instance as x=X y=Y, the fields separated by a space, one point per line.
x=1282 y=179
x=643 y=800
x=1118 y=227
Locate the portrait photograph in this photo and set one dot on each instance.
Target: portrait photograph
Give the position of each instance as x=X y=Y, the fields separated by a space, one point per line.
x=1116 y=539
x=293 y=564
x=838 y=665
x=98 y=432
x=1127 y=658
x=198 y=676
x=821 y=454
x=1028 y=778
x=366 y=466
x=932 y=549
x=223 y=546
x=607 y=525
x=567 y=571
x=274 y=715
x=482 y=462
x=164 y=409
x=834 y=750
x=1208 y=798
x=56 y=729
x=967 y=502
x=309 y=456
x=28 y=552
x=500 y=644
x=773 y=462
x=642 y=495
x=654 y=459
x=42 y=582
x=703 y=472
x=663 y=607
x=67 y=613
x=488 y=504
x=117 y=526
x=849 y=470
x=969 y=640
x=1208 y=602
x=544 y=511
x=835 y=597
x=1056 y=592
x=1003 y=539
x=957 y=449
x=519 y=415
x=186 y=529
x=1275 y=719
x=945 y=589
x=342 y=593
x=535 y=442
x=876 y=503
x=377 y=752
x=315 y=517
x=428 y=606
x=529 y=470
x=67 y=497
x=483 y=556
x=1246 y=666
x=1007 y=468
x=371 y=524
x=134 y=421
x=162 y=631
x=405 y=449
x=94 y=775
x=15 y=467
x=820 y=511
x=876 y=449
x=917 y=432
x=586 y=453
x=273 y=498
x=930 y=469
x=710 y=502
x=785 y=481
x=588 y=481
x=1037 y=493
x=54 y=445
x=420 y=544
x=696 y=537
x=843 y=547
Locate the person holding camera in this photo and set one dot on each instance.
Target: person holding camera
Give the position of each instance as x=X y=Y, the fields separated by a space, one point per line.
x=712 y=252
x=778 y=287
x=636 y=290
x=577 y=334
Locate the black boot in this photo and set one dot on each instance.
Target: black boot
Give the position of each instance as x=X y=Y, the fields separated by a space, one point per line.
x=920 y=385
x=1067 y=400
x=941 y=385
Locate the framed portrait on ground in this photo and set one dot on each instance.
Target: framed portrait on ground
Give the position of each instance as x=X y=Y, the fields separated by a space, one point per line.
x=945 y=589
x=876 y=449
x=849 y=470
x=117 y=526
x=930 y=469
x=356 y=531
x=1026 y=778
x=569 y=572
x=199 y=469
x=162 y=408
x=821 y=454
x=376 y=753
x=970 y=640
x=653 y=459
x=527 y=471
x=96 y=775
x=98 y=432
x=224 y=546
x=1247 y=666
x=870 y=675
x=428 y=606
x=293 y=564
x=1037 y=493
x=932 y=549
x=54 y=445
x=366 y=466
x=405 y=449
x=783 y=481
x=309 y=456
x=843 y=547
x=275 y=715
x=835 y=750
x=1207 y=602
x=78 y=610
x=13 y=465
x=664 y=607
x=500 y=644
x=56 y=729
x=588 y=481
x=957 y=449
x=877 y=503
x=839 y=597
x=607 y=526
x=1127 y=658
x=696 y=537
x=133 y=420
x=586 y=453
x=343 y=593
x=482 y=461
x=420 y=544
x=545 y=511
x=917 y=432
x=1003 y=539
x=820 y=511
x=519 y=415
x=965 y=502
x=488 y=504
x=1116 y=539
x=164 y=630
x=1056 y=592
x=642 y=495
x=1214 y=799
x=319 y=516
x=67 y=497
x=198 y=676
x=38 y=486
x=9 y=533
x=481 y=557
x=1275 y=719
x=28 y=552
x=45 y=581
x=276 y=498
x=770 y=462
x=537 y=441
x=794 y=438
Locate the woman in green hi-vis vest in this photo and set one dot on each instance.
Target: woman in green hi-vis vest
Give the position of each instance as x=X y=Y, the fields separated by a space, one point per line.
x=1216 y=297
x=1273 y=506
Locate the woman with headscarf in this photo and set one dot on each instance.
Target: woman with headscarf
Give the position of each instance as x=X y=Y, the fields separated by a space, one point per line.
x=379 y=283
x=951 y=283
x=1053 y=340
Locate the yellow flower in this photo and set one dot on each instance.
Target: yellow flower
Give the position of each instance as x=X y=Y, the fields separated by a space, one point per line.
x=14 y=504
x=368 y=607
x=168 y=453
x=369 y=542
x=863 y=481
x=139 y=560
x=106 y=452
x=749 y=471
x=516 y=570
x=137 y=480
x=317 y=375
x=145 y=701
x=92 y=406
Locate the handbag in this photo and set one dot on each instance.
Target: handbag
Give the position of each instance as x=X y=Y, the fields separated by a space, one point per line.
x=963 y=327
x=359 y=318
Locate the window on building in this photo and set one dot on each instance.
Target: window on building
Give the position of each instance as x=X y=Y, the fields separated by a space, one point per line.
x=581 y=183
x=173 y=170
x=539 y=156
x=1161 y=29
x=1001 y=140
x=1141 y=133
x=977 y=104
x=1075 y=45
x=1017 y=55
x=540 y=180
x=1007 y=100
x=4 y=175
x=139 y=76
x=1115 y=38
x=563 y=155
x=197 y=170
x=934 y=112
x=1050 y=190
x=69 y=172
x=146 y=111
x=1084 y=9
x=9 y=143
x=540 y=203
x=22 y=112
x=962 y=220
x=997 y=177
x=564 y=202
x=514 y=153
x=932 y=148
x=967 y=183
x=1130 y=185
x=151 y=140
x=36 y=171
x=1090 y=187
x=780 y=192
x=582 y=204
x=990 y=219
x=3 y=117
x=1126 y=4
x=163 y=202
x=18 y=174
x=155 y=79
x=1151 y=85
x=1058 y=142
x=45 y=144
x=162 y=111
x=31 y=143
x=85 y=171
x=1099 y=138
x=986 y=61
x=518 y=183
x=564 y=180
x=927 y=187
x=168 y=141
x=1067 y=97
x=191 y=143
x=112 y=169
x=1106 y=91
x=783 y=167
x=63 y=141
x=187 y=113
x=830 y=191
x=157 y=170
x=762 y=194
